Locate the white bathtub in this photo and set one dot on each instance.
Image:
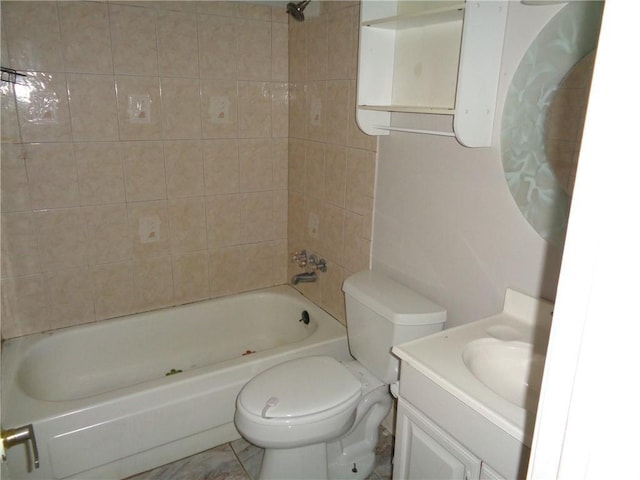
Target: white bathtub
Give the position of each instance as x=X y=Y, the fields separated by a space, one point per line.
x=100 y=401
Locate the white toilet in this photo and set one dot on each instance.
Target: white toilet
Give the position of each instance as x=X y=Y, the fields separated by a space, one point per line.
x=318 y=418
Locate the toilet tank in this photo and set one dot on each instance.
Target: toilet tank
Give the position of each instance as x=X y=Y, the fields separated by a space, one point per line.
x=382 y=313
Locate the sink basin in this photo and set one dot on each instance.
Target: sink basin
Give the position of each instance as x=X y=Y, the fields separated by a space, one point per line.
x=510 y=369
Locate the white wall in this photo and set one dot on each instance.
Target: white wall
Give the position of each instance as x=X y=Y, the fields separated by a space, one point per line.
x=444 y=220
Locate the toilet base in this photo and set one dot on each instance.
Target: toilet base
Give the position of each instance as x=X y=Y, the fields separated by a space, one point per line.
x=353 y=455
x=295 y=463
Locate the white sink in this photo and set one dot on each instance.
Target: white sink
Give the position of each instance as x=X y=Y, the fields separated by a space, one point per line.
x=511 y=369
x=493 y=365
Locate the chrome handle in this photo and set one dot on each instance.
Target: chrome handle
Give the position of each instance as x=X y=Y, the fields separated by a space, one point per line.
x=318 y=263
x=15 y=436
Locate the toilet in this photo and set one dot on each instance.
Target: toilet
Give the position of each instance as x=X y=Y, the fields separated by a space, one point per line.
x=318 y=418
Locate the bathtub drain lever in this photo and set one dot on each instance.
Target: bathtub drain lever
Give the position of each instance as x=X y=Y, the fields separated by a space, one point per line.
x=15 y=436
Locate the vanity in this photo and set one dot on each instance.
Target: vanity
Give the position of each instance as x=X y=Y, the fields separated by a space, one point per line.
x=468 y=395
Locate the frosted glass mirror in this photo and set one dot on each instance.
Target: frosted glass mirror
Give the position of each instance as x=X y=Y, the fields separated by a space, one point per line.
x=543 y=196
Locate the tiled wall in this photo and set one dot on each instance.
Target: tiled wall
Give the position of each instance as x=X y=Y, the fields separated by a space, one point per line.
x=331 y=162
x=144 y=156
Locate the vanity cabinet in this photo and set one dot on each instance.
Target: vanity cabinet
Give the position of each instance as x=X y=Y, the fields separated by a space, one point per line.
x=426 y=452
x=424 y=58
x=439 y=438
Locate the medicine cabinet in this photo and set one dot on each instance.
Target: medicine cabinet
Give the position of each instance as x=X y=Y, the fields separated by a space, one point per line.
x=424 y=58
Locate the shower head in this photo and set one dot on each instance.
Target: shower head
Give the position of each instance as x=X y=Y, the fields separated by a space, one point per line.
x=296 y=9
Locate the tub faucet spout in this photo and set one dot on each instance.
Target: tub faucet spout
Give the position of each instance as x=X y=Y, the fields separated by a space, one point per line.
x=306 y=277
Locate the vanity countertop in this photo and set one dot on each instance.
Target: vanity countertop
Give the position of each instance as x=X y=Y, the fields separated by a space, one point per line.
x=443 y=358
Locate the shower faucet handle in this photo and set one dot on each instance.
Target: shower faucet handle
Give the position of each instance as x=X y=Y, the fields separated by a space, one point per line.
x=318 y=263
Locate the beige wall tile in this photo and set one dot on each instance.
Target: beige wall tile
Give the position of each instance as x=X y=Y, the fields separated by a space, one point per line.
x=69 y=297
x=191 y=277
x=280 y=163
x=19 y=245
x=297 y=165
x=340 y=44
x=10 y=129
x=124 y=206
x=52 y=173
x=219 y=62
x=61 y=238
x=298 y=33
x=92 y=101
x=256 y=164
x=219 y=108
x=296 y=221
x=314 y=178
x=279 y=110
x=113 y=290
x=139 y=108
x=254 y=45
x=144 y=172
x=224 y=220
x=335 y=175
x=297 y=110
x=226 y=271
x=108 y=234
x=337 y=111
x=254 y=109
x=280 y=213
x=254 y=11
x=24 y=306
x=86 y=39
x=280 y=50
x=181 y=108
x=43 y=108
x=356 y=247
x=100 y=173
x=35 y=35
x=331 y=294
x=133 y=40
x=279 y=14
x=257 y=217
x=317 y=49
x=332 y=233
x=316 y=111
x=153 y=280
x=188 y=224
x=322 y=72
x=149 y=228
x=13 y=174
x=175 y=5
x=360 y=180
x=177 y=43
x=221 y=166
x=184 y=168
x=215 y=7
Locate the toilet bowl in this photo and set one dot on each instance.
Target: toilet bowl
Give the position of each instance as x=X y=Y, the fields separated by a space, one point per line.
x=298 y=403
x=318 y=418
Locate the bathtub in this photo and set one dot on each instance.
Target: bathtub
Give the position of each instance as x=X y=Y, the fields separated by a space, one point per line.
x=118 y=397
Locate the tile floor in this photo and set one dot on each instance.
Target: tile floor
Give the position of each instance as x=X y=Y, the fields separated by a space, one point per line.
x=239 y=460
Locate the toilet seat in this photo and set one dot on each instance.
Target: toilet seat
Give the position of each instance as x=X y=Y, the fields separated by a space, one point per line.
x=305 y=390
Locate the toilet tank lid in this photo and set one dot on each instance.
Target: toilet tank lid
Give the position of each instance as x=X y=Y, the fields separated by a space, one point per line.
x=394 y=301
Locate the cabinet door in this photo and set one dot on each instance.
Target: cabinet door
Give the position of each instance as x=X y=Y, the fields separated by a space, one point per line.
x=488 y=473
x=426 y=452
